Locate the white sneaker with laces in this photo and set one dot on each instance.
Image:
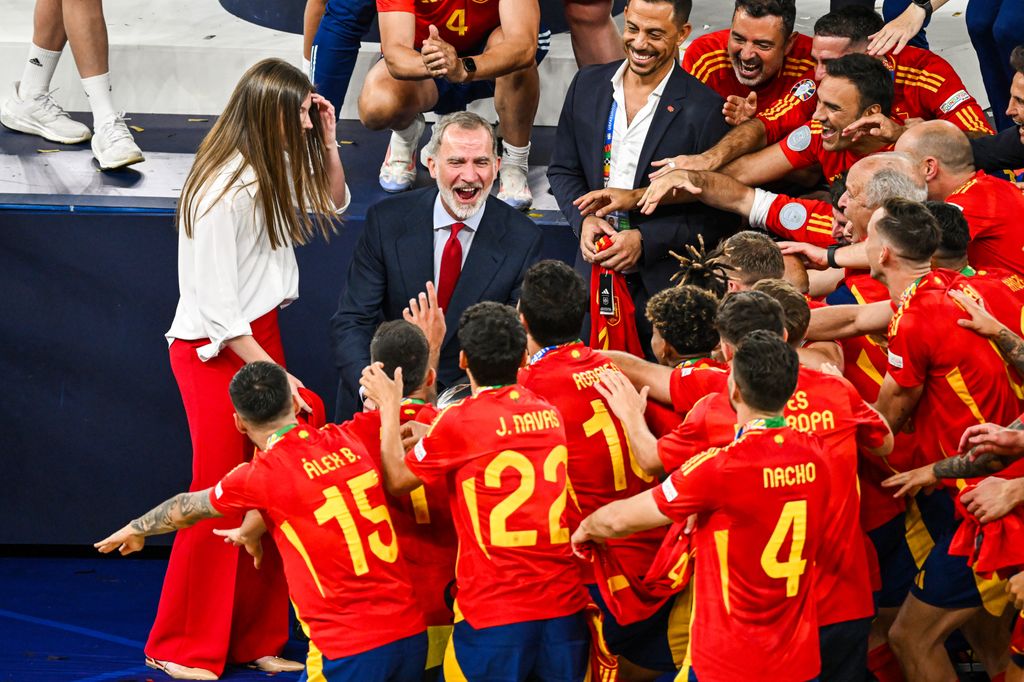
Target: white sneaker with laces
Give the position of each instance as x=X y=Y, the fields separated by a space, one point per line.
x=398 y=171
x=42 y=116
x=514 y=188
x=113 y=144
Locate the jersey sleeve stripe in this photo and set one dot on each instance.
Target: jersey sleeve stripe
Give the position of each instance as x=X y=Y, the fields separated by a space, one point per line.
x=933 y=78
x=705 y=71
x=916 y=84
x=704 y=59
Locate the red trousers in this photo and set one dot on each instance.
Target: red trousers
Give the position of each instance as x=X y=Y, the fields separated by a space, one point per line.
x=216 y=608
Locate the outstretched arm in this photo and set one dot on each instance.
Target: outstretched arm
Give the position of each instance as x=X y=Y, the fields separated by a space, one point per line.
x=387 y=395
x=180 y=511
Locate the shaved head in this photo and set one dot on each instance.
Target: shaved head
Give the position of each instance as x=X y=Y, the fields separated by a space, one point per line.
x=940 y=140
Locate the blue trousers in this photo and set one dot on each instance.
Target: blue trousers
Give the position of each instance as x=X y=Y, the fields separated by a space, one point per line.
x=336 y=46
x=996 y=27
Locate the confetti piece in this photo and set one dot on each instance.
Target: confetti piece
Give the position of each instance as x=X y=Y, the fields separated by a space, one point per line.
x=137 y=129
x=535 y=215
x=346 y=142
x=957 y=14
x=198 y=120
x=210 y=37
x=47 y=151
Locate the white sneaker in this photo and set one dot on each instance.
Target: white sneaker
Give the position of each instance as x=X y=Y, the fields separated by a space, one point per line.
x=41 y=115
x=113 y=145
x=514 y=188
x=398 y=171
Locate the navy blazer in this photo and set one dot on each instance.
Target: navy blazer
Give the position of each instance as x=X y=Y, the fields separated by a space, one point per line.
x=394 y=259
x=688 y=121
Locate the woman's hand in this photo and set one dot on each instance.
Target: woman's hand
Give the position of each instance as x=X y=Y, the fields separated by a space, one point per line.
x=295 y=385
x=328 y=121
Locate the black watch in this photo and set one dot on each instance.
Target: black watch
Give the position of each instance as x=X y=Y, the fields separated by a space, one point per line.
x=469 y=65
x=830 y=255
x=926 y=5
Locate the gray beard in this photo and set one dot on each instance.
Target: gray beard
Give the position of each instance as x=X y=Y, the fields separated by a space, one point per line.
x=459 y=210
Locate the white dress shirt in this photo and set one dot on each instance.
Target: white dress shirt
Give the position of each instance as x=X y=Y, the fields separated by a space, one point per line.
x=228 y=275
x=628 y=140
x=443 y=228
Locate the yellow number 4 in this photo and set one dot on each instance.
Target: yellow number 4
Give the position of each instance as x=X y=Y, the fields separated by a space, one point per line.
x=794 y=516
x=457 y=22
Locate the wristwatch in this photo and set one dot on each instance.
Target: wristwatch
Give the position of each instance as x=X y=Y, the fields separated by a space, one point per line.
x=470 y=66
x=830 y=255
x=926 y=5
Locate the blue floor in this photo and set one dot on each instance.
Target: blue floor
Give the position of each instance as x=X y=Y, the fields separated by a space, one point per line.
x=86 y=620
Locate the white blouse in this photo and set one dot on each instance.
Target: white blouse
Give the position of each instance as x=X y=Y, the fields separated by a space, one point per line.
x=228 y=275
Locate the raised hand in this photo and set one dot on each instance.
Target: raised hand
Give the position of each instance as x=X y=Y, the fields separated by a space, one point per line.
x=623 y=399
x=694 y=162
x=663 y=185
x=878 y=126
x=738 y=109
x=897 y=33
x=981 y=321
x=601 y=202
x=328 y=120
x=424 y=312
x=381 y=389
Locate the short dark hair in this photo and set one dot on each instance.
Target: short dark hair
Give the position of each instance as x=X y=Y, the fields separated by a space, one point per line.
x=402 y=344
x=765 y=369
x=680 y=9
x=852 y=21
x=954 y=233
x=911 y=228
x=742 y=312
x=553 y=301
x=837 y=189
x=493 y=341
x=685 y=318
x=1017 y=59
x=260 y=392
x=784 y=9
x=794 y=306
x=752 y=256
x=873 y=81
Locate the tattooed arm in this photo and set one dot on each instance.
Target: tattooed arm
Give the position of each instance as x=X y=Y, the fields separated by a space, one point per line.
x=181 y=511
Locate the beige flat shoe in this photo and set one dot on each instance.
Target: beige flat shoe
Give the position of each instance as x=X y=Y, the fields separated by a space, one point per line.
x=276 y=664
x=180 y=672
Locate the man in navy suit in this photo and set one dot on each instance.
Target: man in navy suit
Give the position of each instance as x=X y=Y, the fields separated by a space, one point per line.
x=472 y=246
x=617 y=120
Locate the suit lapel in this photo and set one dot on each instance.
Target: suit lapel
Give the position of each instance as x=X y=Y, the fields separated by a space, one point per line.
x=415 y=247
x=668 y=108
x=604 y=106
x=482 y=263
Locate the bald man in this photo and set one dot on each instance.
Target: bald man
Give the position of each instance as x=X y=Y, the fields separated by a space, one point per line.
x=992 y=207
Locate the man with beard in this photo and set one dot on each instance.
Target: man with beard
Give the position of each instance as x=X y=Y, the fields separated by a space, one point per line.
x=756 y=61
x=471 y=246
x=616 y=120
x=1006 y=149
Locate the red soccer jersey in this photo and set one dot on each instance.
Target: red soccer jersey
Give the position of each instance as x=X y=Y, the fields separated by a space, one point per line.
x=503 y=455
x=992 y=208
x=761 y=505
x=924 y=86
x=999 y=291
x=464 y=24
x=707 y=59
x=796 y=219
x=965 y=379
x=324 y=505
x=694 y=379
x=831 y=408
x=803 y=148
x=601 y=463
x=422 y=519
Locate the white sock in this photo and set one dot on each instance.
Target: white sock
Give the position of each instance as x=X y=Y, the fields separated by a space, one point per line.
x=39 y=68
x=516 y=156
x=408 y=137
x=307 y=68
x=97 y=89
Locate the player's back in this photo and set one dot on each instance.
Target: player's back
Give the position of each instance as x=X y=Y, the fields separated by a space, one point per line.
x=505 y=453
x=755 y=615
x=1001 y=292
x=992 y=207
x=329 y=518
x=830 y=407
x=965 y=380
x=422 y=519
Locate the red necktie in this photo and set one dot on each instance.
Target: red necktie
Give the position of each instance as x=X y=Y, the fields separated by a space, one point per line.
x=451 y=267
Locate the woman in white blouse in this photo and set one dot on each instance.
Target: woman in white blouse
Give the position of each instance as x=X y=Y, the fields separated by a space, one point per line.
x=271 y=151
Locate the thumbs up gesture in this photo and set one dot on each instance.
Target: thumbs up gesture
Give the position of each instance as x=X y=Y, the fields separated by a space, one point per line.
x=440 y=58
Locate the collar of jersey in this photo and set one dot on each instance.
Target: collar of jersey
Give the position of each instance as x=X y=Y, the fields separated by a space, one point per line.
x=761 y=423
x=536 y=357
x=277 y=436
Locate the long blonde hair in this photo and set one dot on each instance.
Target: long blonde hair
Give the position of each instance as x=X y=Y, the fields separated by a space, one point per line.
x=262 y=122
